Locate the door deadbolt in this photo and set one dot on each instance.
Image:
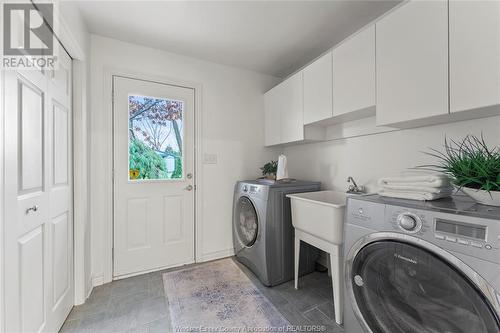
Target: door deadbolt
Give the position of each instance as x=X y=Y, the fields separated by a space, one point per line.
x=189 y=175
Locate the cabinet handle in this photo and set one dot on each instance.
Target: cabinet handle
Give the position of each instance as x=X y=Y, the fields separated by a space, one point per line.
x=32 y=209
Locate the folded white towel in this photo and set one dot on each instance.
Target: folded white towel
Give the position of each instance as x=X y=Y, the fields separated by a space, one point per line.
x=430 y=180
x=418 y=188
x=415 y=195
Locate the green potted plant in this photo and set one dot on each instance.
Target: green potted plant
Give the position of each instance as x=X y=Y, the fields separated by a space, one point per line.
x=269 y=170
x=472 y=166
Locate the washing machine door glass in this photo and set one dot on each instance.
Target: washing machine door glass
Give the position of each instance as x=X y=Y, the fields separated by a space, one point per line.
x=402 y=288
x=247 y=223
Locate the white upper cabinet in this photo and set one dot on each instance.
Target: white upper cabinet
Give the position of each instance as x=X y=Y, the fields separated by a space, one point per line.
x=292 y=107
x=284 y=116
x=354 y=73
x=272 y=122
x=318 y=90
x=474 y=54
x=412 y=63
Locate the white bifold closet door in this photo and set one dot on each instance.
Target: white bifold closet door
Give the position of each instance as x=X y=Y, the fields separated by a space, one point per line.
x=38 y=198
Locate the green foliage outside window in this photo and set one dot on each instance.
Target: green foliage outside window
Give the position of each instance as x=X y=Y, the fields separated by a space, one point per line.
x=147 y=161
x=178 y=168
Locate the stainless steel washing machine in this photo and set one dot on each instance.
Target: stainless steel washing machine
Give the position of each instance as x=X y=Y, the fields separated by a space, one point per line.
x=262 y=229
x=421 y=267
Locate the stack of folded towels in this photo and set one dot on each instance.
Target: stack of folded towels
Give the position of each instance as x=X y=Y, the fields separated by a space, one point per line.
x=416 y=187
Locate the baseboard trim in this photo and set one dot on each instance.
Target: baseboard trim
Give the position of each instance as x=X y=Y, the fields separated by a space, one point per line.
x=216 y=255
x=90 y=285
x=97 y=281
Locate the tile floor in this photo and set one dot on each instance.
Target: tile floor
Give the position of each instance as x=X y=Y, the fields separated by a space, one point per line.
x=138 y=304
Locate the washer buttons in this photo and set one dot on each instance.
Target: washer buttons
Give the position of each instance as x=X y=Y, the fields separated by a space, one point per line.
x=463 y=241
x=476 y=244
x=439 y=236
x=451 y=239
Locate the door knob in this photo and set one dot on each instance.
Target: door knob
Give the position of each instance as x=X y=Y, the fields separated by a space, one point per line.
x=32 y=209
x=189 y=188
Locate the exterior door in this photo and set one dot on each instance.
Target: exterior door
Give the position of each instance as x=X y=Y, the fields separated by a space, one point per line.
x=153 y=175
x=38 y=198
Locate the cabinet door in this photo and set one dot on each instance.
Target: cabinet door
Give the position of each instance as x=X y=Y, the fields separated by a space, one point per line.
x=291 y=100
x=354 y=73
x=272 y=117
x=412 y=62
x=318 y=90
x=474 y=54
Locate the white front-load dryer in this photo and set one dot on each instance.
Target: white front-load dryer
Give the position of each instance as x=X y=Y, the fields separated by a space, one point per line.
x=421 y=267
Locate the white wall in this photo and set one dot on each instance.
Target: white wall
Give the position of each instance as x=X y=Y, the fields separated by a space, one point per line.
x=368 y=158
x=232 y=113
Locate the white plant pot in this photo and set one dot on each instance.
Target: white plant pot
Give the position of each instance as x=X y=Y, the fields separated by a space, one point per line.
x=491 y=199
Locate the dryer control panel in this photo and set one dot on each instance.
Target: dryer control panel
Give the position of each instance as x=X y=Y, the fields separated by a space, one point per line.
x=253 y=191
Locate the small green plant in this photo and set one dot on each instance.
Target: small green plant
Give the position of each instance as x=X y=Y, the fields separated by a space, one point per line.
x=270 y=168
x=470 y=163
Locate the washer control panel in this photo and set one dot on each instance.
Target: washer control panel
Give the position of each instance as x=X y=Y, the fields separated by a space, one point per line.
x=453 y=229
x=465 y=234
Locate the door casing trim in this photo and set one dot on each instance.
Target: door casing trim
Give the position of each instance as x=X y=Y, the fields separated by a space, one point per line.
x=109 y=73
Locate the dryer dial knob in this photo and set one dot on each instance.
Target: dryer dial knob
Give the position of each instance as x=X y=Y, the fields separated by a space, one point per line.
x=407 y=222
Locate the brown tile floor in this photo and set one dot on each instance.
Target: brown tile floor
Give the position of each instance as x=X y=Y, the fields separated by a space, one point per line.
x=138 y=304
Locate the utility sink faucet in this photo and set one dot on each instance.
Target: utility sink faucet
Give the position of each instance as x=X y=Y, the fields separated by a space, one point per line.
x=354 y=188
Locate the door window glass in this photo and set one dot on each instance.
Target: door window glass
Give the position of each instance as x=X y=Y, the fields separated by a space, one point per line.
x=402 y=288
x=155 y=138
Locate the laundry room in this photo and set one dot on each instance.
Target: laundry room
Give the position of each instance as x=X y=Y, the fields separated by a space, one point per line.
x=250 y=166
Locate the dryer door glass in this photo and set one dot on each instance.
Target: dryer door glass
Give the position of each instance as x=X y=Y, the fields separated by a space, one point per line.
x=402 y=288
x=247 y=224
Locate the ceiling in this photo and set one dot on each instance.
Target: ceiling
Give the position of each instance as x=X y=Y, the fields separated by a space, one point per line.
x=271 y=37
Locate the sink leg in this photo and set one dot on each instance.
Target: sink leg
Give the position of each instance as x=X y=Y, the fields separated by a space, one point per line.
x=329 y=264
x=337 y=281
x=297 y=259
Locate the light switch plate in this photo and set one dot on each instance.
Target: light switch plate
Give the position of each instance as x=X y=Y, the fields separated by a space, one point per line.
x=210 y=159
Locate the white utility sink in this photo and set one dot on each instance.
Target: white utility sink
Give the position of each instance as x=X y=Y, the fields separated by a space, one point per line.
x=318 y=219
x=320 y=214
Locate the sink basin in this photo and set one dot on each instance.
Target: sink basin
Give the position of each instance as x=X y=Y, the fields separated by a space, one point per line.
x=320 y=214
